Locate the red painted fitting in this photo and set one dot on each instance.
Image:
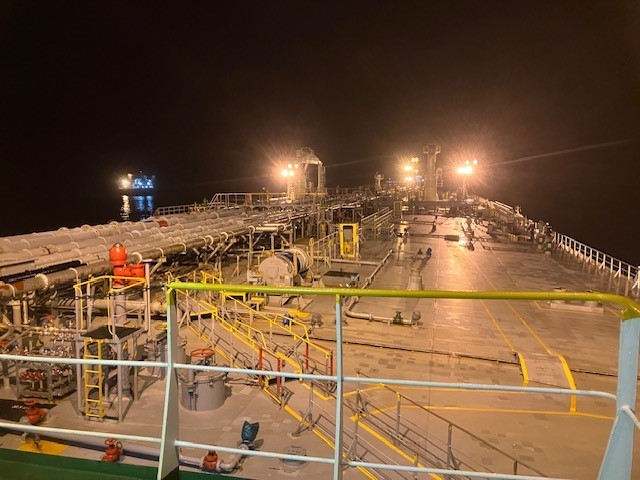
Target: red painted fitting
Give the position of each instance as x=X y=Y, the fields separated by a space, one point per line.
x=202 y=352
x=134 y=271
x=118 y=255
x=34 y=414
x=113 y=452
x=210 y=461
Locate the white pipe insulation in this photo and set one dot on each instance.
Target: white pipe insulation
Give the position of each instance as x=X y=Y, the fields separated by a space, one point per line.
x=144 y=240
x=351 y=303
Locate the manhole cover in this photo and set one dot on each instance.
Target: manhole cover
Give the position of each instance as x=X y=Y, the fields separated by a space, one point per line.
x=294 y=450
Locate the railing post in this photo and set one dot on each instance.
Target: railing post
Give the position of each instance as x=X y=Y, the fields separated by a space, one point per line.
x=260 y=367
x=337 y=456
x=618 y=457
x=278 y=380
x=169 y=462
x=398 y=407
x=449 y=452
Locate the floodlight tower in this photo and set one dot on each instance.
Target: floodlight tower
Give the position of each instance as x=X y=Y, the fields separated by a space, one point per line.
x=430 y=174
x=306 y=158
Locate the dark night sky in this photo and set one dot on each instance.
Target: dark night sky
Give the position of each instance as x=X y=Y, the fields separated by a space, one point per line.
x=207 y=95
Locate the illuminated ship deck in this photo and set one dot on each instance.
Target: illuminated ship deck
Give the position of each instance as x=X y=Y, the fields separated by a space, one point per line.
x=487 y=345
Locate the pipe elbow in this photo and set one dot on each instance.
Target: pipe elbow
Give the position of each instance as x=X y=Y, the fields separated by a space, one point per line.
x=43 y=280
x=10 y=287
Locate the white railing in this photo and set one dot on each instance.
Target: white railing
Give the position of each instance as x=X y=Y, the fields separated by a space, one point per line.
x=602 y=260
x=617 y=462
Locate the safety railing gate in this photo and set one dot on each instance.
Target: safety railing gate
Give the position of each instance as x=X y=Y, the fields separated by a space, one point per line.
x=616 y=463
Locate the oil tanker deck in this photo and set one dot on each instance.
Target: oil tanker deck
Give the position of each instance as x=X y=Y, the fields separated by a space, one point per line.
x=365 y=333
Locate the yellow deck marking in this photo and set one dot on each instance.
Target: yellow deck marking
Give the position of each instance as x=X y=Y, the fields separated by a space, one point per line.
x=50 y=448
x=369 y=389
x=391 y=445
x=565 y=366
x=572 y=383
x=563 y=361
x=331 y=444
x=531 y=331
x=316 y=392
x=495 y=322
x=525 y=372
x=326 y=440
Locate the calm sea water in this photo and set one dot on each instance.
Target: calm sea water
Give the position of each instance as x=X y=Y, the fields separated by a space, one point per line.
x=136 y=207
x=42 y=211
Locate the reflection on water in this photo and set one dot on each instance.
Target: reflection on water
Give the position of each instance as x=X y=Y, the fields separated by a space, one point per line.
x=136 y=207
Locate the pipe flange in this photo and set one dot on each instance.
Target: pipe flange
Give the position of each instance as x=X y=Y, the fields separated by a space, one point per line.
x=44 y=279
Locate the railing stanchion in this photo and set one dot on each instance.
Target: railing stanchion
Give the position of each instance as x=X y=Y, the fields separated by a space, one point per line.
x=449 y=448
x=337 y=457
x=396 y=438
x=169 y=461
x=618 y=457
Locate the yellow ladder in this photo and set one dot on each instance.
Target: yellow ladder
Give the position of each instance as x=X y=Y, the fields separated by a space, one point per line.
x=93 y=381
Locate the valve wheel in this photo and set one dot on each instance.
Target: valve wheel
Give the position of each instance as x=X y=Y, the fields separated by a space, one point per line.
x=202 y=352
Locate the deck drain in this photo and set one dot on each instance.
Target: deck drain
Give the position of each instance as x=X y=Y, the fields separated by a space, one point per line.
x=294 y=450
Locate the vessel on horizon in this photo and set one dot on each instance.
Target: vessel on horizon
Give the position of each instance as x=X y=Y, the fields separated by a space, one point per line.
x=137 y=183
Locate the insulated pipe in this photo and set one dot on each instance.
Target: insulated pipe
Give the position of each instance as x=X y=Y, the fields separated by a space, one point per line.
x=10 y=329
x=97 y=263
x=229 y=467
x=348 y=307
x=16 y=313
x=354 y=262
